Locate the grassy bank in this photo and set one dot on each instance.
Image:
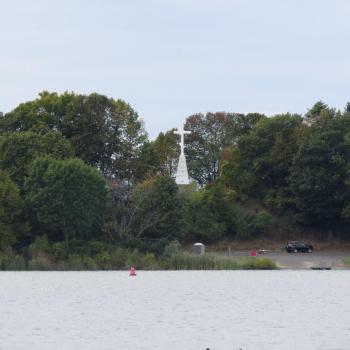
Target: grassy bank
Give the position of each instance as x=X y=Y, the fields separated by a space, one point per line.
x=346 y=261
x=215 y=262
x=122 y=259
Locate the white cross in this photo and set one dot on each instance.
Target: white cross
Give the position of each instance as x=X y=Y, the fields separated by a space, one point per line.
x=180 y=131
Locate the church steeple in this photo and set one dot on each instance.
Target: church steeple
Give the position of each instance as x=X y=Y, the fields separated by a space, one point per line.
x=182 y=173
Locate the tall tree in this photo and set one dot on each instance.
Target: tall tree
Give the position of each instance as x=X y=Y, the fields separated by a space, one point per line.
x=19 y=149
x=167 y=148
x=12 y=223
x=66 y=198
x=210 y=215
x=260 y=165
x=319 y=111
x=211 y=134
x=240 y=124
x=347 y=109
x=158 y=219
x=40 y=115
x=204 y=144
x=147 y=163
x=239 y=180
x=320 y=173
x=104 y=132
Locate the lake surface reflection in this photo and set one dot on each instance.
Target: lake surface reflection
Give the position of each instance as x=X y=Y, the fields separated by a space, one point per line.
x=274 y=310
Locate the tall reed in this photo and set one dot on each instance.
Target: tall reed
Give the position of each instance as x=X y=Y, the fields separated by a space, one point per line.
x=186 y=261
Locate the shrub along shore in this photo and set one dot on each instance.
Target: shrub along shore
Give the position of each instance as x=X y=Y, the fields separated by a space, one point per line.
x=43 y=255
x=346 y=261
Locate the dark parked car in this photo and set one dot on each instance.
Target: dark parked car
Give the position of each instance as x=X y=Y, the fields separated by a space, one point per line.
x=299 y=247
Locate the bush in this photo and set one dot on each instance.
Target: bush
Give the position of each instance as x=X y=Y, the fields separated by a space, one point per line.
x=41 y=263
x=209 y=215
x=17 y=263
x=201 y=262
x=89 y=263
x=215 y=262
x=260 y=223
x=11 y=262
x=74 y=262
x=150 y=262
x=77 y=262
x=172 y=248
x=259 y=264
x=94 y=247
x=119 y=257
x=346 y=261
x=251 y=226
x=12 y=225
x=58 y=250
x=142 y=261
x=40 y=244
x=103 y=261
x=243 y=229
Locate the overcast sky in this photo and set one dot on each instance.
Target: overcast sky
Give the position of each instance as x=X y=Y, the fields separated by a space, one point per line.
x=172 y=58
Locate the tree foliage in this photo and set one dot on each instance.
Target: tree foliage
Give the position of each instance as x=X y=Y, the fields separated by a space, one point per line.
x=210 y=215
x=210 y=135
x=167 y=149
x=249 y=173
x=148 y=216
x=66 y=198
x=158 y=219
x=104 y=132
x=12 y=220
x=266 y=154
x=320 y=172
x=147 y=163
x=18 y=150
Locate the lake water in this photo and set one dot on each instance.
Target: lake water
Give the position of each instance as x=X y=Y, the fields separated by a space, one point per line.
x=274 y=310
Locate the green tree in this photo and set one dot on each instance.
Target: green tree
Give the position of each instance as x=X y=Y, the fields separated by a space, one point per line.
x=39 y=116
x=347 y=109
x=260 y=223
x=267 y=152
x=66 y=198
x=240 y=124
x=204 y=145
x=211 y=134
x=18 y=150
x=210 y=215
x=12 y=223
x=158 y=218
x=104 y=132
x=238 y=180
x=320 y=173
x=167 y=149
x=316 y=111
x=147 y=163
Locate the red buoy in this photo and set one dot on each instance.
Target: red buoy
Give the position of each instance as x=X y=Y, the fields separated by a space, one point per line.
x=132 y=271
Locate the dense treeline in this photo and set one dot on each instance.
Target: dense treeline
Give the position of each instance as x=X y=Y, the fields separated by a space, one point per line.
x=78 y=171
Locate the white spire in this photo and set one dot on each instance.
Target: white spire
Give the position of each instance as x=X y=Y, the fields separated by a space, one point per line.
x=182 y=173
